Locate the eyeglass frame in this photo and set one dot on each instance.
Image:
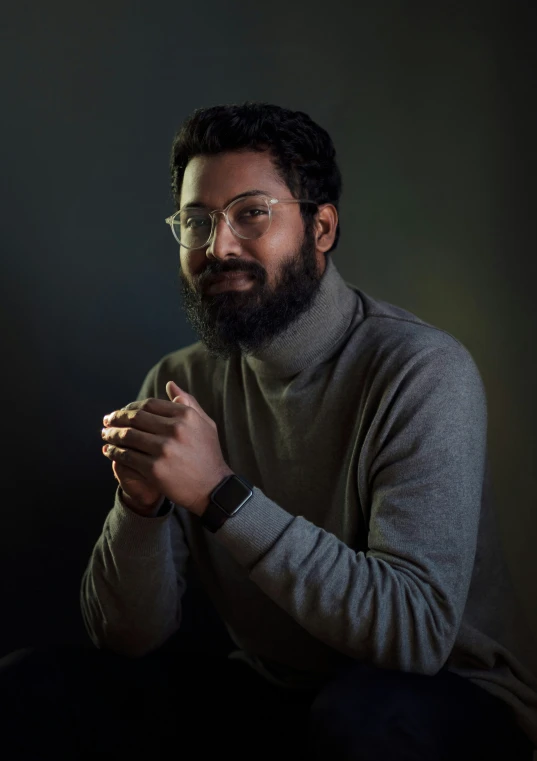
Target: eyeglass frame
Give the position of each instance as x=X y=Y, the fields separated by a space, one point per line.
x=224 y=211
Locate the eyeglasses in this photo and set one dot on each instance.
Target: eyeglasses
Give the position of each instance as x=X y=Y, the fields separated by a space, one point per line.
x=247 y=217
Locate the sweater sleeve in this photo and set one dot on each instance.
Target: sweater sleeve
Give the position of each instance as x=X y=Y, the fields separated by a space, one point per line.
x=400 y=603
x=132 y=587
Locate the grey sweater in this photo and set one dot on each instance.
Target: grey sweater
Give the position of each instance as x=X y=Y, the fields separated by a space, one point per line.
x=371 y=533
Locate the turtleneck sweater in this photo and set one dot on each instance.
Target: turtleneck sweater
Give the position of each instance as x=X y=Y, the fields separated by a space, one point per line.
x=371 y=532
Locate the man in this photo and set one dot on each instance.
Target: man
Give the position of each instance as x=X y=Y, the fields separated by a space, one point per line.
x=320 y=456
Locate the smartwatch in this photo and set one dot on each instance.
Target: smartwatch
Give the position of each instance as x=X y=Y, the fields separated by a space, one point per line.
x=232 y=493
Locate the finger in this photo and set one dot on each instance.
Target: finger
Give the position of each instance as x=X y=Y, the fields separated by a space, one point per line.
x=123 y=471
x=172 y=389
x=139 y=462
x=152 y=406
x=132 y=438
x=143 y=421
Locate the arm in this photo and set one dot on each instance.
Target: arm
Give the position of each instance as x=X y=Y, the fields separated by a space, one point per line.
x=132 y=587
x=398 y=605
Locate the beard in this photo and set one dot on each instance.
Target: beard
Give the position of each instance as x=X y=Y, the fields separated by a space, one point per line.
x=235 y=321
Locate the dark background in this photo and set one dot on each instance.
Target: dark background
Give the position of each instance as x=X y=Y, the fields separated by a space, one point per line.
x=431 y=108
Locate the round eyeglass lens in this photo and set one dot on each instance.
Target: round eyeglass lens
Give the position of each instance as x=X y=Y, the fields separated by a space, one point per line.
x=249 y=217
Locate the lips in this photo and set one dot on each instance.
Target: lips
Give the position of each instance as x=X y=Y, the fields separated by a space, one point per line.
x=227 y=276
x=228 y=280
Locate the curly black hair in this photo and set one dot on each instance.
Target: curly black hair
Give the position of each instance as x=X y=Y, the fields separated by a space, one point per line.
x=302 y=152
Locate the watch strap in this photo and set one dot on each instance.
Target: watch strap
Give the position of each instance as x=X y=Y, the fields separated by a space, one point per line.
x=165 y=508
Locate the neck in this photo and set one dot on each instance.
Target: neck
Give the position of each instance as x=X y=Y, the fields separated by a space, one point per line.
x=315 y=334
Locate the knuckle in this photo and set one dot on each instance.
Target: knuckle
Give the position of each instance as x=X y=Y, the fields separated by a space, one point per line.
x=167 y=447
x=190 y=413
x=154 y=469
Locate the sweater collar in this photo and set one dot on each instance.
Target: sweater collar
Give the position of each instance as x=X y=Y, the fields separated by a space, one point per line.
x=316 y=334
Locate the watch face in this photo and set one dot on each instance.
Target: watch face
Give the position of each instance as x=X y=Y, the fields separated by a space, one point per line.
x=232 y=495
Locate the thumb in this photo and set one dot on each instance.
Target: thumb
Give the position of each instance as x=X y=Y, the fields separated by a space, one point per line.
x=179 y=396
x=173 y=391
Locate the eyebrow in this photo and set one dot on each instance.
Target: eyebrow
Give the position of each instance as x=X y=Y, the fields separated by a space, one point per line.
x=200 y=205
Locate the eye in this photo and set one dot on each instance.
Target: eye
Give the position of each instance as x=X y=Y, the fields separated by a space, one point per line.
x=193 y=223
x=253 y=212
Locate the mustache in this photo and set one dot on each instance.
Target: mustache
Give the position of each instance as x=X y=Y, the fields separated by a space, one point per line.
x=212 y=272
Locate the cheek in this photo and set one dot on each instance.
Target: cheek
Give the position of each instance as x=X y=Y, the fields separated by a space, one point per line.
x=191 y=266
x=185 y=261
x=280 y=241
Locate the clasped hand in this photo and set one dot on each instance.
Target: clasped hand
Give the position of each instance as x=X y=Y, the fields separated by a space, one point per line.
x=172 y=444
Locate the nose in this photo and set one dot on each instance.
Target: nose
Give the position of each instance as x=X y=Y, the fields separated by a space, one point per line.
x=222 y=240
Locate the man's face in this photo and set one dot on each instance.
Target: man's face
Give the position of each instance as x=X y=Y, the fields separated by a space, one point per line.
x=284 y=265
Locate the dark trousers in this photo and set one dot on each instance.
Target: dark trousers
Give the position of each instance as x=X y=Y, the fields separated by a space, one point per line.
x=76 y=702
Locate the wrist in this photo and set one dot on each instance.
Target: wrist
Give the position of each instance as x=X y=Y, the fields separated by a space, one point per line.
x=146 y=511
x=201 y=508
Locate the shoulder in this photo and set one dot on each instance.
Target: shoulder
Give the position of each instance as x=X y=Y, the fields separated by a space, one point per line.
x=398 y=342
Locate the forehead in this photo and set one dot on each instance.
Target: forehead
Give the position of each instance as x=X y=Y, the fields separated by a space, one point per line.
x=213 y=180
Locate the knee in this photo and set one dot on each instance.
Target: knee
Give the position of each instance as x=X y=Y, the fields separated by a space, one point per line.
x=15 y=657
x=27 y=657
x=41 y=665
x=335 y=721
x=352 y=715
x=346 y=697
